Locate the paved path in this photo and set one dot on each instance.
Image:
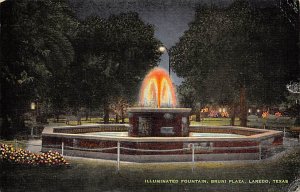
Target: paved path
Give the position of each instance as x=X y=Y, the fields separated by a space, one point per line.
x=34 y=145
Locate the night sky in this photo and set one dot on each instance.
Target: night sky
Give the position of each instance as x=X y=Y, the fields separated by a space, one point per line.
x=169 y=17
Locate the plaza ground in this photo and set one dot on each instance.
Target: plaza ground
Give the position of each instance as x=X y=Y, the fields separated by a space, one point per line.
x=100 y=175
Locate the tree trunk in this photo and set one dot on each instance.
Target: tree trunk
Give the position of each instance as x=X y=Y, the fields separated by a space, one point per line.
x=86 y=114
x=243 y=108
x=122 y=117
x=106 y=113
x=4 y=132
x=233 y=114
x=198 y=117
x=117 y=118
x=57 y=117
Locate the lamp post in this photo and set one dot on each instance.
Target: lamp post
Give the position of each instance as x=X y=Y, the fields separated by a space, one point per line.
x=33 y=107
x=164 y=49
x=243 y=108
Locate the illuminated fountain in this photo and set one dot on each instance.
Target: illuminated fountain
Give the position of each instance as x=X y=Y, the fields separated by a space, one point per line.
x=159 y=131
x=157 y=115
x=157 y=90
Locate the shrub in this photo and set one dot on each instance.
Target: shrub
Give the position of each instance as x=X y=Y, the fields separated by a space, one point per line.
x=10 y=155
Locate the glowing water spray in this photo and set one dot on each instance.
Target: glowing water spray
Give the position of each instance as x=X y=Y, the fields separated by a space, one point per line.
x=157 y=90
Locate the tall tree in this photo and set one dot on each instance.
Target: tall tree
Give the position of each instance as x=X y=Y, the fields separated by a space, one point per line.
x=113 y=55
x=227 y=53
x=36 y=50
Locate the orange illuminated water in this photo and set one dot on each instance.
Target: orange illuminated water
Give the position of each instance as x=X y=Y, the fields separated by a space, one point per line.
x=157 y=90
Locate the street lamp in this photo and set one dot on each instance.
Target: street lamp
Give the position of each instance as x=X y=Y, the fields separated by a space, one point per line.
x=164 y=49
x=32 y=106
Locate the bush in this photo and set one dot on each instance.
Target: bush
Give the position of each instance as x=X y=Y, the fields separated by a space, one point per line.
x=10 y=155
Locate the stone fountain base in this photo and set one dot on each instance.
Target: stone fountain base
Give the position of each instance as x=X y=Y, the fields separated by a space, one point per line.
x=158 y=122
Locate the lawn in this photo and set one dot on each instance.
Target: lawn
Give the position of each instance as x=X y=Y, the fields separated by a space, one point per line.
x=99 y=175
x=204 y=121
x=215 y=121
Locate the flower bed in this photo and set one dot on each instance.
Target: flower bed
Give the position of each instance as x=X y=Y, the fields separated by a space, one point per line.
x=10 y=155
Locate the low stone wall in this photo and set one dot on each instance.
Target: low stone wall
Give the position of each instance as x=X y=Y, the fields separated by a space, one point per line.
x=162 y=158
x=92 y=128
x=142 y=147
x=225 y=129
x=271 y=121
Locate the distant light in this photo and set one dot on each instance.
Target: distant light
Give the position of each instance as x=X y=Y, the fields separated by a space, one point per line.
x=224 y=110
x=162 y=49
x=220 y=110
x=32 y=106
x=258 y=110
x=249 y=111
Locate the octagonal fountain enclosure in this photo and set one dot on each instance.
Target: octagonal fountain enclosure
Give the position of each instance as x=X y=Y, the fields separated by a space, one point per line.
x=158 y=122
x=211 y=143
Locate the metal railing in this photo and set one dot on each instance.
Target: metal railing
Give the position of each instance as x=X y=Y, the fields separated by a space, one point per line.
x=191 y=147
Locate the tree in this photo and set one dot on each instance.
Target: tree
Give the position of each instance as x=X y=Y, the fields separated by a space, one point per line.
x=36 y=51
x=112 y=57
x=226 y=53
x=119 y=107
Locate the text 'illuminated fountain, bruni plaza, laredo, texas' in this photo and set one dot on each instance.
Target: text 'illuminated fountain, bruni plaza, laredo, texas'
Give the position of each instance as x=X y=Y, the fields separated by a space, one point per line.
x=158 y=131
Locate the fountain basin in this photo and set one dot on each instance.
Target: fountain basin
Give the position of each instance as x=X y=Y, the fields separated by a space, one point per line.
x=250 y=143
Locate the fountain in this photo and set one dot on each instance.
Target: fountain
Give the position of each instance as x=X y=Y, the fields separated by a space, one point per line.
x=157 y=90
x=159 y=131
x=157 y=115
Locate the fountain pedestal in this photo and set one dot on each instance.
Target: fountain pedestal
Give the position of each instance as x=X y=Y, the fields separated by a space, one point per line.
x=158 y=122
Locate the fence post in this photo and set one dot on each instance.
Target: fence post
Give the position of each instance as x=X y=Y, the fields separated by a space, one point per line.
x=259 y=151
x=284 y=132
x=118 y=156
x=62 y=148
x=193 y=153
x=16 y=143
x=31 y=132
x=193 y=156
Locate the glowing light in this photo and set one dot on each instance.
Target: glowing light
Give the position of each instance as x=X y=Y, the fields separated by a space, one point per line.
x=157 y=90
x=162 y=49
x=32 y=106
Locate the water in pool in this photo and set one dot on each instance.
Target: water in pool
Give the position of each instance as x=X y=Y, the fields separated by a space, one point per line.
x=125 y=134
x=110 y=134
x=215 y=135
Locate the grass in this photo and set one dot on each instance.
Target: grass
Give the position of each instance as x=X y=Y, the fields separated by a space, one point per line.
x=205 y=121
x=215 y=121
x=99 y=175
x=13 y=143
